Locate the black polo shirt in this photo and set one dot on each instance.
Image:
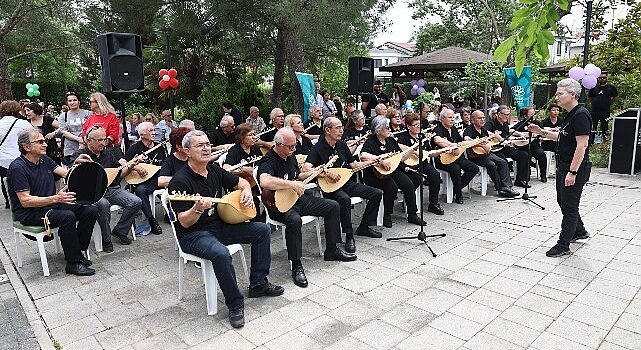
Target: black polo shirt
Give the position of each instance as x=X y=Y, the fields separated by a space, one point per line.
x=494 y=126
x=352 y=133
x=408 y=140
x=375 y=147
x=188 y=181
x=400 y=127
x=322 y=151
x=547 y=123
x=156 y=157
x=236 y=153
x=472 y=133
x=578 y=122
x=218 y=137
x=37 y=179
x=269 y=136
x=303 y=146
x=276 y=166
x=171 y=165
x=451 y=134
x=314 y=130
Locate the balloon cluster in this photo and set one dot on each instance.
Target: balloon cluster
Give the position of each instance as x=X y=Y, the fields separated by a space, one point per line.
x=168 y=79
x=587 y=75
x=33 y=90
x=418 y=87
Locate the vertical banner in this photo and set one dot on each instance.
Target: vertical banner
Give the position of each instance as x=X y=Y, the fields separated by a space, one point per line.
x=521 y=86
x=306 y=82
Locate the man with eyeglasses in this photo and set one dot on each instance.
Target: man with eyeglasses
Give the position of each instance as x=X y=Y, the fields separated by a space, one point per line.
x=33 y=196
x=279 y=170
x=71 y=123
x=204 y=234
x=266 y=140
x=224 y=134
x=501 y=125
x=96 y=142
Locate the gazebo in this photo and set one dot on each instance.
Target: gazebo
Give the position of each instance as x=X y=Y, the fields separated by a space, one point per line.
x=554 y=71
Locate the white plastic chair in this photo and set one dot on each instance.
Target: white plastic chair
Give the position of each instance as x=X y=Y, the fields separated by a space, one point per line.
x=483 y=178
x=152 y=199
x=209 y=277
x=549 y=155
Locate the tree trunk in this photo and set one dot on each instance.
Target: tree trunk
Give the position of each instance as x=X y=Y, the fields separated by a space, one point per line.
x=5 y=82
x=295 y=63
x=279 y=70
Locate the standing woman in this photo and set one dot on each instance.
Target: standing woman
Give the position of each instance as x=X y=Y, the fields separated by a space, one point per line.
x=11 y=124
x=48 y=127
x=71 y=123
x=573 y=163
x=398 y=97
x=103 y=114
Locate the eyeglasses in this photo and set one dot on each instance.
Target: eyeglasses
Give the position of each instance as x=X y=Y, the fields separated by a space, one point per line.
x=203 y=145
x=338 y=127
x=41 y=141
x=504 y=113
x=290 y=147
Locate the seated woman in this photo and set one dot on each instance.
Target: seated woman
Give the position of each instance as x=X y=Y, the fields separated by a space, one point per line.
x=395 y=124
x=314 y=127
x=303 y=144
x=355 y=126
x=380 y=143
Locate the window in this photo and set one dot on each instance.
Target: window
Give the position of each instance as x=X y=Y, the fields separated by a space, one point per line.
x=378 y=63
x=386 y=61
x=558 y=48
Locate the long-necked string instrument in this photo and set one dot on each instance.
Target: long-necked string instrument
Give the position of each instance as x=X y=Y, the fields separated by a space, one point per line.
x=284 y=199
x=311 y=125
x=246 y=162
x=264 y=149
x=229 y=208
x=452 y=156
x=358 y=140
x=395 y=161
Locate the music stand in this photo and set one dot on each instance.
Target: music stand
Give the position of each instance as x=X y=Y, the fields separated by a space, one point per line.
x=421 y=236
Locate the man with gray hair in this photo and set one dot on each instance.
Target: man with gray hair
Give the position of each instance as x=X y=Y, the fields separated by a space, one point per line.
x=255 y=120
x=266 y=140
x=380 y=109
x=501 y=126
x=186 y=123
x=279 y=171
x=224 y=134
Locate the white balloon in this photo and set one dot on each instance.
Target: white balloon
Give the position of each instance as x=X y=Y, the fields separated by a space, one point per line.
x=166 y=77
x=591 y=69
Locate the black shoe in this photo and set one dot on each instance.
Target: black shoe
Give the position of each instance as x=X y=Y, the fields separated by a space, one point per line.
x=298 y=275
x=458 y=199
x=521 y=183
x=387 y=221
x=544 y=178
x=155 y=226
x=265 y=290
x=414 y=219
x=124 y=240
x=557 y=251
x=350 y=244
x=339 y=255
x=508 y=193
x=237 y=317
x=79 y=269
x=107 y=247
x=368 y=232
x=578 y=236
x=436 y=209
x=86 y=261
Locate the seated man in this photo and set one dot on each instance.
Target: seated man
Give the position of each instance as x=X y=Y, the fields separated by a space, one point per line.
x=206 y=235
x=497 y=167
x=331 y=144
x=266 y=140
x=33 y=196
x=143 y=190
x=279 y=170
x=95 y=140
x=224 y=134
x=500 y=124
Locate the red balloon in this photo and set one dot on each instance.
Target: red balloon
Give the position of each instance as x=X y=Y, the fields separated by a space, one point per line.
x=162 y=72
x=163 y=84
x=172 y=73
x=173 y=83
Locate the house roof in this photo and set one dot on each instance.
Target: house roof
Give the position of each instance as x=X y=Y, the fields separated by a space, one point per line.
x=444 y=59
x=558 y=68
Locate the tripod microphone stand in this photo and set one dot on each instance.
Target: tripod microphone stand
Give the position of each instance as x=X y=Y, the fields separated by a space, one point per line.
x=422 y=236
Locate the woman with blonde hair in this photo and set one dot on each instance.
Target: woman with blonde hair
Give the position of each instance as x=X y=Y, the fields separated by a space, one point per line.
x=303 y=144
x=103 y=114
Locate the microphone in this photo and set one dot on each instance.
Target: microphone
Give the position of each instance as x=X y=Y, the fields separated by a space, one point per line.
x=408 y=169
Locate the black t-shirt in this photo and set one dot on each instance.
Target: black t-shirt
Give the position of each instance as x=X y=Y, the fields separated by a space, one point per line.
x=408 y=140
x=156 y=157
x=400 y=127
x=472 y=133
x=314 y=130
x=577 y=122
x=37 y=179
x=218 y=137
x=236 y=153
x=602 y=98
x=188 y=181
x=269 y=136
x=352 y=133
x=382 y=98
x=547 y=123
x=375 y=147
x=237 y=115
x=303 y=146
x=171 y=165
x=322 y=151
x=276 y=166
x=372 y=101
x=494 y=126
x=451 y=134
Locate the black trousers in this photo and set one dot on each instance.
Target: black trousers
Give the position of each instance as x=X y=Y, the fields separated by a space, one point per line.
x=548 y=145
x=454 y=169
x=601 y=119
x=354 y=189
x=497 y=169
x=314 y=206
x=522 y=161
x=539 y=154
x=568 y=198
x=433 y=181
x=406 y=182
x=75 y=224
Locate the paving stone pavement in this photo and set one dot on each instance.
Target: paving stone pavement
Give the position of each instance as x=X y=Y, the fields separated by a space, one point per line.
x=490 y=287
x=15 y=331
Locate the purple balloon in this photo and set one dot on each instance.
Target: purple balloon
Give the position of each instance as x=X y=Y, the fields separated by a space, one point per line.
x=421 y=82
x=420 y=90
x=413 y=92
x=415 y=87
x=591 y=69
x=589 y=81
x=413 y=82
x=576 y=73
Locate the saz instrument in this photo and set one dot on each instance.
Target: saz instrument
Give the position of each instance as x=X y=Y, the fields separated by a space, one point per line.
x=264 y=149
x=244 y=175
x=311 y=125
x=485 y=147
x=229 y=208
x=452 y=156
x=358 y=140
x=395 y=161
x=133 y=178
x=413 y=159
x=284 y=199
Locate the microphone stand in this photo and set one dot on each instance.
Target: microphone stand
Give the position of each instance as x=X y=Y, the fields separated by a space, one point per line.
x=422 y=236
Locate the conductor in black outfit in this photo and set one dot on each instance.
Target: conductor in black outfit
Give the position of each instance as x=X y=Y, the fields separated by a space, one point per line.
x=573 y=163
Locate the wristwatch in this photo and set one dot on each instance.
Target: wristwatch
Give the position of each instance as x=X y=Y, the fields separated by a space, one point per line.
x=573 y=172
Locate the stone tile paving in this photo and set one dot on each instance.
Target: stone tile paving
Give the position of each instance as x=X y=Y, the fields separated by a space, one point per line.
x=15 y=331
x=491 y=286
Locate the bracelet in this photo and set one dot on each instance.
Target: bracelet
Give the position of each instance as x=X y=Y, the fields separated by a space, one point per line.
x=199 y=211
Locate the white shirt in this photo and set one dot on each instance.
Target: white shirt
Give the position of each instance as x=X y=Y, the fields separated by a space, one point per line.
x=9 y=150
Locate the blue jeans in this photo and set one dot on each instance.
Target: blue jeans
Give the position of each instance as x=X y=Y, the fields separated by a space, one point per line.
x=211 y=245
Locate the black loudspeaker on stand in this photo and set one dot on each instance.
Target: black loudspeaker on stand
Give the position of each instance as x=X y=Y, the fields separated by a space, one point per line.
x=422 y=236
x=360 y=75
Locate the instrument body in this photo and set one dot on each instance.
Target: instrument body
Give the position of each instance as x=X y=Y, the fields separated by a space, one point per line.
x=133 y=178
x=452 y=156
x=264 y=149
x=229 y=208
x=89 y=181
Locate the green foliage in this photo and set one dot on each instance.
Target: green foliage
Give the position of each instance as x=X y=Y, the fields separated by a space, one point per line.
x=426 y=98
x=251 y=94
x=207 y=112
x=600 y=154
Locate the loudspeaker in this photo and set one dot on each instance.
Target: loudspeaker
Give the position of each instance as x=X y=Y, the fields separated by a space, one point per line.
x=625 y=148
x=121 y=60
x=361 y=75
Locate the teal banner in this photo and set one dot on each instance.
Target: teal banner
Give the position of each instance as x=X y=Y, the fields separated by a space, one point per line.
x=520 y=87
x=306 y=82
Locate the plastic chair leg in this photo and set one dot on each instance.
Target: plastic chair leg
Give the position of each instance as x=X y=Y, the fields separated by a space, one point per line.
x=16 y=236
x=43 y=256
x=211 y=287
x=180 y=277
x=244 y=262
x=318 y=237
x=282 y=228
x=97 y=240
x=381 y=212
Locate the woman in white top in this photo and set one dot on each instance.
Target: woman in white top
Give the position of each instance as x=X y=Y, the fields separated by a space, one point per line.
x=329 y=108
x=11 y=124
